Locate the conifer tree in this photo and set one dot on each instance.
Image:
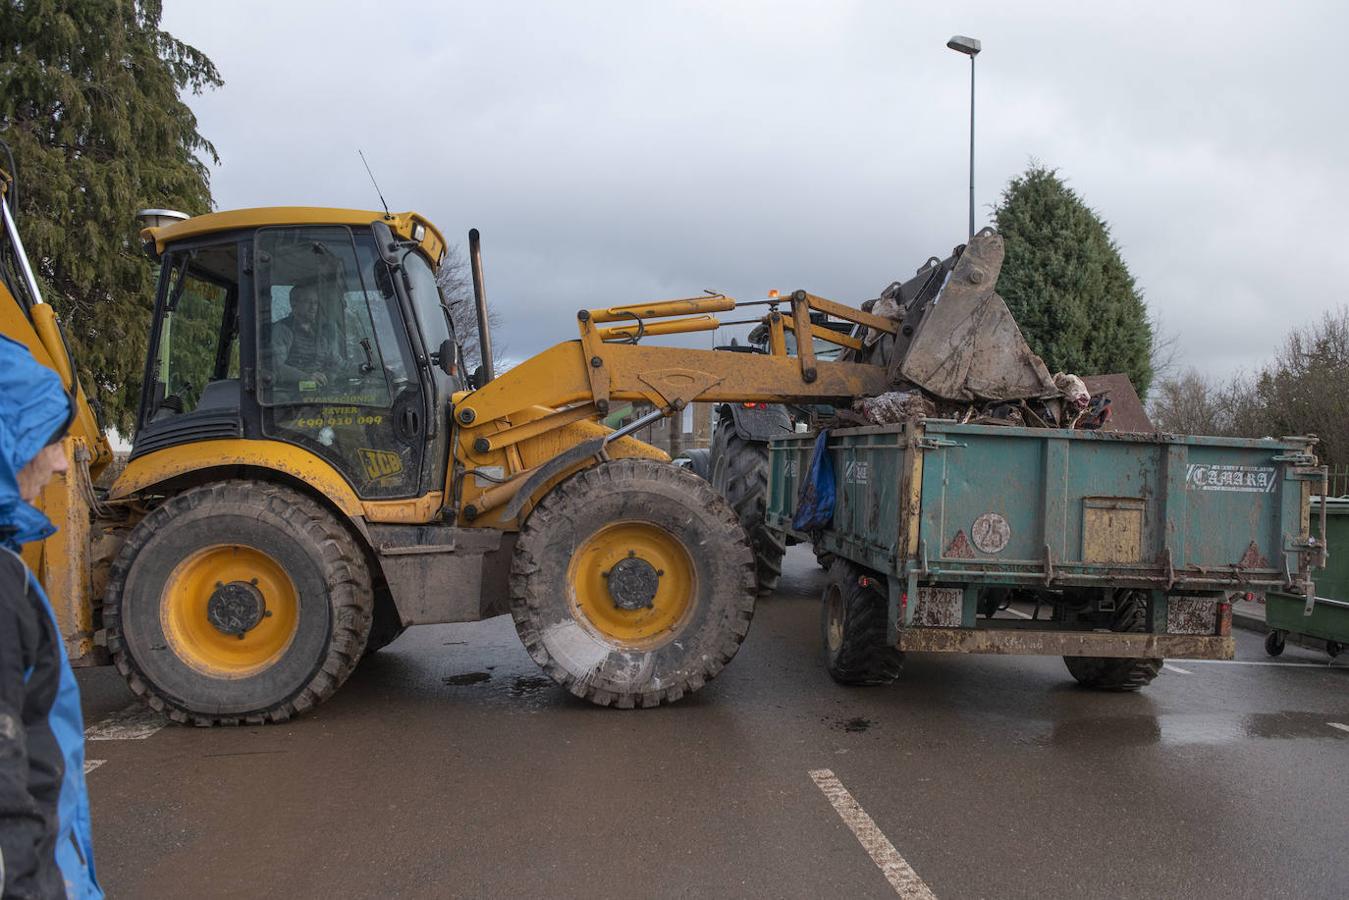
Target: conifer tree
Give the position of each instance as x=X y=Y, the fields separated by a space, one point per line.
x=1066 y=283
x=90 y=104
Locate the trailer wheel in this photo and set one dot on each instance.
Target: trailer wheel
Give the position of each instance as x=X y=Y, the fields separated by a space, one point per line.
x=1119 y=673
x=740 y=474
x=853 y=619
x=632 y=583
x=1274 y=643
x=236 y=602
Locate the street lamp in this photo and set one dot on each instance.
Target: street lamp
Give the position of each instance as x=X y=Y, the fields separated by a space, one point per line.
x=970 y=47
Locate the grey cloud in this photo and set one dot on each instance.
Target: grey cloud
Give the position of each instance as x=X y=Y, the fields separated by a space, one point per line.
x=613 y=152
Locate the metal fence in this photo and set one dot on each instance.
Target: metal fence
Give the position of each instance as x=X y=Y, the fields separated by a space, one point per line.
x=1339 y=481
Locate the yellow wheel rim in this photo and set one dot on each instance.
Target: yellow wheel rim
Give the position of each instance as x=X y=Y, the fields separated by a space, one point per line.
x=229 y=611
x=632 y=583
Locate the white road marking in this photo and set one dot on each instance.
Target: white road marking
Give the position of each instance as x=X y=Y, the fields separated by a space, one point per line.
x=1017 y=612
x=1178 y=669
x=1338 y=725
x=92 y=764
x=135 y=723
x=1257 y=662
x=899 y=873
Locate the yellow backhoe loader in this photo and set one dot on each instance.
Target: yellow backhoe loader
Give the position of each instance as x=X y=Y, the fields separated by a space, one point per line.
x=313 y=471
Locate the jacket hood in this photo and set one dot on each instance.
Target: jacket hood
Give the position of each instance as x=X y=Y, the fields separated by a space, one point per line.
x=34 y=409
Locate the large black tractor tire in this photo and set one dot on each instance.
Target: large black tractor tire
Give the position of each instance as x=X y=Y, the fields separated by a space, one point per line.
x=1119 y=673
x=740 y=474
x=632 y=583
x=853 y=620
x=236 y=602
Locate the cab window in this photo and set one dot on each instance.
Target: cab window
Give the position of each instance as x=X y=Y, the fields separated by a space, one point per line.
x=332 y=374
x=196 y=362
x=431 y=312
x=317 y=340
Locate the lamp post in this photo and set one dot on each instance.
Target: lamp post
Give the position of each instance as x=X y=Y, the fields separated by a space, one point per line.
x=970 y=47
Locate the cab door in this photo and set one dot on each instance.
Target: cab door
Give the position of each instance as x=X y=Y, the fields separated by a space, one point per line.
x=336 y=373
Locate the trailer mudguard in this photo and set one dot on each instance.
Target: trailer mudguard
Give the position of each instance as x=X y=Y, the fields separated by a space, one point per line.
x=761 y=422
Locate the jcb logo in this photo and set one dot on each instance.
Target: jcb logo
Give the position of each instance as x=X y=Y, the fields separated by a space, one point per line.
x=380 y=463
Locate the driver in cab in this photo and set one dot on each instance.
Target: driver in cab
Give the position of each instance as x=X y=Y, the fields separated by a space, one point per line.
x=303 y=343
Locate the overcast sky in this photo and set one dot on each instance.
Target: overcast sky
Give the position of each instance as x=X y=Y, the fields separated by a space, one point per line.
x=617 y=152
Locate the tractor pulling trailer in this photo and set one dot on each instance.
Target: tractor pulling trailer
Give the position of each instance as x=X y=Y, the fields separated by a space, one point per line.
x=313 y=471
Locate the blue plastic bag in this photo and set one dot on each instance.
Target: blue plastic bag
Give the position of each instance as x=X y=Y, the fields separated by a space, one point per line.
x=815 y=502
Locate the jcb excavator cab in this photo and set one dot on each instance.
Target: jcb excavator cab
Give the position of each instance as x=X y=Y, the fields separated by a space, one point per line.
x=327 y=336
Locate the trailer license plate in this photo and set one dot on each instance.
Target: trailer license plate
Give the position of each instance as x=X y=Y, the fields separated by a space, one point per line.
x=939 y=607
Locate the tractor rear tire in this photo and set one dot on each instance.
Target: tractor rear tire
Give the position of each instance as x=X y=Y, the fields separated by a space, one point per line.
x=237 y=602
x=740 y=474
x=1106 y=673
x=853 y=624
x=632 y=583
x=700 y=462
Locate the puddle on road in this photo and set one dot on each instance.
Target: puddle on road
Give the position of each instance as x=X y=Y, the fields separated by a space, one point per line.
x=1189 y=729
x=467 y=678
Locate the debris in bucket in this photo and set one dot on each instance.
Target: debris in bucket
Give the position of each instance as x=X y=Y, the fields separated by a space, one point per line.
x=957 y=353
x=1075 y=392
x=894 y=407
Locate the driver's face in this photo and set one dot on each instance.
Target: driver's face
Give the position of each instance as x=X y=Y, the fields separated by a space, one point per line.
x=304 y=304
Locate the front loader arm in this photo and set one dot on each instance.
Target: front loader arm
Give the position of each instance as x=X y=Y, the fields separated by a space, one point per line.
x=670 y=377
x=536 y=423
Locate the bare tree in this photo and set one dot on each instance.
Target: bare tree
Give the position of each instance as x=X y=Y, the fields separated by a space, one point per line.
x=1165 y=349
x=1304 y=389
x=455 y=280
x=1185 y=404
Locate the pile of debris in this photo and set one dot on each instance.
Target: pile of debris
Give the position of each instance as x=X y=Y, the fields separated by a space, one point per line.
x=958 y=354
x=1075 y=409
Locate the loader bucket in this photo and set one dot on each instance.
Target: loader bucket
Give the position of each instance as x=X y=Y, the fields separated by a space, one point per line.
x=968 y=347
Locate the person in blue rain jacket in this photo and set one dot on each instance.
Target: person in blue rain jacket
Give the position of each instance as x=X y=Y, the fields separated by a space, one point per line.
x=45 y=845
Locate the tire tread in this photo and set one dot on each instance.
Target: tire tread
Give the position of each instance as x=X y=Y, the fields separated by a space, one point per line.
x=349 y=580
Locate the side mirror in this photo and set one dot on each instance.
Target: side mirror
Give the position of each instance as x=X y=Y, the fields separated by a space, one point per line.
x=444 y=357
x=385 y=242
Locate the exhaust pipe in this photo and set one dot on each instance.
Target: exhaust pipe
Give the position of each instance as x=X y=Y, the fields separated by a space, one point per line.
x=480 y=299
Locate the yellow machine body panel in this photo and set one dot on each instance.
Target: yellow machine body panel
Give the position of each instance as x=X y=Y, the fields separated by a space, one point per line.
x=493 y=477
x=404 y=225
x=146 y=472
x=42 y=336
x=63 y=562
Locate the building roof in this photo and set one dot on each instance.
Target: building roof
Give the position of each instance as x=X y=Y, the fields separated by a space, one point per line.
x=1127 y=412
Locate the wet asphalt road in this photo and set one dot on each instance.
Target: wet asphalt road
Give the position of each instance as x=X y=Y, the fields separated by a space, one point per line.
x=992 y=777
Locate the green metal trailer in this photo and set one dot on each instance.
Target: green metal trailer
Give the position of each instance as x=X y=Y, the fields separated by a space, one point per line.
x=1125 y=546
x=1324 y=615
